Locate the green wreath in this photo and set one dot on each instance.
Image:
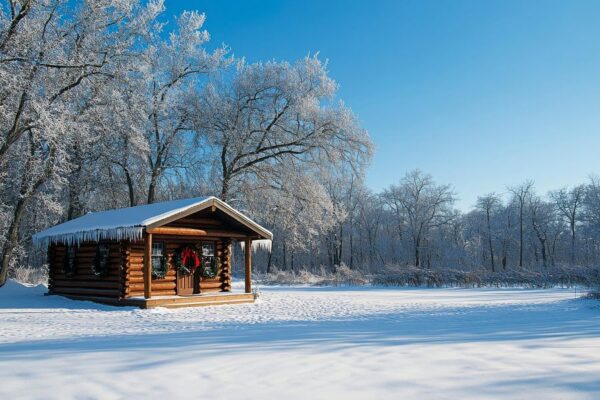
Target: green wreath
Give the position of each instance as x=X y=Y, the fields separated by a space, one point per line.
x=186 y=259
x=161 y=272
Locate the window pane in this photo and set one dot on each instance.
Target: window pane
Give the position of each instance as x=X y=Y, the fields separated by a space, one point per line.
x=157 y=249
x=157 y=255
x=208 y=249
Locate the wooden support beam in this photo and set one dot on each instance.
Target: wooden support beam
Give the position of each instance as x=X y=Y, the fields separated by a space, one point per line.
x=174 y=231
x=148 y=266
x=248 y=265
x=166 y=230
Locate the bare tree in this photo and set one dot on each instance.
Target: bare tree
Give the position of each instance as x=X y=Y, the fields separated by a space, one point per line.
x=569 y=203
x=270 y=114
x=489 y=205
x=425 y=205
x=521 y=194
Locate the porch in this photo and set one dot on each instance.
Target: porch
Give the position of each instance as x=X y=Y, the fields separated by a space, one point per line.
x=195 y=300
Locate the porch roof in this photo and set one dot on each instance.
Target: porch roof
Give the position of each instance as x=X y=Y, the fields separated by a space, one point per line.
x=130 y=222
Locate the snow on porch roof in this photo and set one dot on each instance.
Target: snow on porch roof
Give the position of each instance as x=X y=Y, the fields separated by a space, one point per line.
x=129 y=223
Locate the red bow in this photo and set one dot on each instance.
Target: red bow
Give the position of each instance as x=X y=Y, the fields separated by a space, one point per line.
x=190 y=259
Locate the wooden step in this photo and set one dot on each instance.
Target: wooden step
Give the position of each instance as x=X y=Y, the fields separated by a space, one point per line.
x=207 y=303
x=206 y=298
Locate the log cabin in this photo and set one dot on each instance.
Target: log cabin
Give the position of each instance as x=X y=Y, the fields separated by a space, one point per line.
x=170 y=254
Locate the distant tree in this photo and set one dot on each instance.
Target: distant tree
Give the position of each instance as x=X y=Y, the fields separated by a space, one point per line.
x=489 y=205
x=543 y=217
x=521 y=194
x=425 y=205
x=569 y=204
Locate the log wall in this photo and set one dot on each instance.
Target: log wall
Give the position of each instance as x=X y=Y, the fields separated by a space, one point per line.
x=133 y=276
x=84 y=282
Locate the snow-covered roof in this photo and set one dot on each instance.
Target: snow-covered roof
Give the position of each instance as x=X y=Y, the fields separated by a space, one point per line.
x=129 y=223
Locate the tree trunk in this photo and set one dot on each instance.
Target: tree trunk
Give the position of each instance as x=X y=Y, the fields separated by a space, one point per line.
x=489 y=226
x=152 y=187
x=417 y=255
x=521 y=235
x=130 y=187
x=269 y=261
x=12 y=238
x=572 y=243
x=225 y=189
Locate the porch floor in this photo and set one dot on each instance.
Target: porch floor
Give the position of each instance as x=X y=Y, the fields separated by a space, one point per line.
x=195 y=300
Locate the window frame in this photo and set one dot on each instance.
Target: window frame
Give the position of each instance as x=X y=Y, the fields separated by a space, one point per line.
x=102 y=256
x=162 y=256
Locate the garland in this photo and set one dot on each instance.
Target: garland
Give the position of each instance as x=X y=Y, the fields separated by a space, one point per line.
x=209 y=267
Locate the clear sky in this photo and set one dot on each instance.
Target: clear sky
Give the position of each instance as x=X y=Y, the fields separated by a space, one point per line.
x=480 y=94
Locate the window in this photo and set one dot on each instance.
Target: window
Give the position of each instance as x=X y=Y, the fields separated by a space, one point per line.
x=210 y=266
x=69 y=262
x=158 y=259
x=100 y=266
x=208 y=249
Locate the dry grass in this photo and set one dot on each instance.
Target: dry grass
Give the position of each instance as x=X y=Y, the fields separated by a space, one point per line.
x=27 y=274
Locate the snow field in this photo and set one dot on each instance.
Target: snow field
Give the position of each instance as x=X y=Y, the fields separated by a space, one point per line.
x=303 y=342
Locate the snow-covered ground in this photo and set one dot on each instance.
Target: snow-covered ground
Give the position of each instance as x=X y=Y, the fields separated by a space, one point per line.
x=306 y=343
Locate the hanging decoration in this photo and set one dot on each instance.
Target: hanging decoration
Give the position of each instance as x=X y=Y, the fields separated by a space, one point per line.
x=187 y=259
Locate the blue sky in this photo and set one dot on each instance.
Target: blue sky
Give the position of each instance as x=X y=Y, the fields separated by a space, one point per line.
x=480 y=94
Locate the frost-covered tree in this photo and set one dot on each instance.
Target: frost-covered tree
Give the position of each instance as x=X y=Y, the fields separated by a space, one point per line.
x=489 y=205
x=521 y=194
x=270 y=114
x=424 y=204
x=169 y=69
x=569 y=204
x=51 y=53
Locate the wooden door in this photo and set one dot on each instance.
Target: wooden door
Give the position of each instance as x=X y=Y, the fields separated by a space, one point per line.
x=185 y=284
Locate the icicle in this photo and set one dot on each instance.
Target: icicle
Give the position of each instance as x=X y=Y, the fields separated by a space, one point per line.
x=262 y=244
x=96 y=235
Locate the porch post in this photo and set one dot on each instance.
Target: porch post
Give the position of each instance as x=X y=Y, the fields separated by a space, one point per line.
x=248 y=265
x=148 y=266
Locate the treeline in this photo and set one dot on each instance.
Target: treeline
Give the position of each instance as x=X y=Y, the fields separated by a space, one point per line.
x=415 y=224
x=107 y=104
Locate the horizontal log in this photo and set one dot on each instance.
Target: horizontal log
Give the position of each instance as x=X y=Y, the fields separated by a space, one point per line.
x=86 y=284
x=155 y=286
x=199 y=221
x=86 y=277
x=163 y=292
x=163 y=286
x=92 y=292
x=210 y=290
x=210 y=285
x=115 y=258
x=88 y=250
x=166 y=230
